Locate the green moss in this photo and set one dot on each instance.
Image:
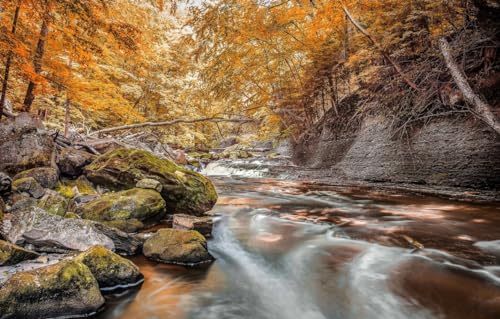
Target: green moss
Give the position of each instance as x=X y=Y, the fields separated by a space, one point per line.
x=84 y=187
x=22 y=181
x=184 y=190
x=71 y=215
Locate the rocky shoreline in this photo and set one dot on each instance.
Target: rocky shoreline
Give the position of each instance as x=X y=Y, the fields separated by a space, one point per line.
x=66 y=216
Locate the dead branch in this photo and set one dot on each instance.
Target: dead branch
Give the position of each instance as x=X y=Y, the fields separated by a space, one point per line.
x=169 y=123
x=481 y=108
x=380 y=48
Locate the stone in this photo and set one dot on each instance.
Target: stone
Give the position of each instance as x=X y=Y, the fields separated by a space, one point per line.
x=29 y=186
x=2 y=209
x=66 y=289
x=72 y=161
x=174 y=246
x=184 y=191
x=54 y=203
x=180 y=157
x=11 y=254
x=149 y=183
x=47 y=177
x=125 y=244
x=132 y=205
x=111 y=270
x=24 y=144
x=37 y=227
x=203 y=225
x=5 y=183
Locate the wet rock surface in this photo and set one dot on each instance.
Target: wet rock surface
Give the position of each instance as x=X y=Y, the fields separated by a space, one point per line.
x=203 y=225
x=72 y=161
x=67 y=288
x=183 y=190
x=110 y=270
x=174 y=246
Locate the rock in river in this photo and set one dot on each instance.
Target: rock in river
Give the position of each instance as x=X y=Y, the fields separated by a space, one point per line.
x=11 y=254
x=123 y=209
x=66 y=289
x=174 y=246
x=110 y=270
x=201 y=224
x=184 y=191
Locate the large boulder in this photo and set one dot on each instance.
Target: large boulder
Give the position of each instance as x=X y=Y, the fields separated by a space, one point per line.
x=123 y=209
x=24 y=144
x=47 y=231
x=29 y=186
x=184 y=191
x=174 y=246
x=11 y=254
x=45 y=176
x=5 y=183
x=111 y=270
x=66 y=289
x=72 y=161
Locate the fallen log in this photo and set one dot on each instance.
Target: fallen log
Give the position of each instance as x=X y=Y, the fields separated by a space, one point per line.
x=168 y=123
x=481 y=108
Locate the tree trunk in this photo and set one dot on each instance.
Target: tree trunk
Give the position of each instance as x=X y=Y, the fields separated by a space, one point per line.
x=168 y=123
x=8 y=62
x=481 y=108
x=37 y=62
x=67 y=105
x=380 y=48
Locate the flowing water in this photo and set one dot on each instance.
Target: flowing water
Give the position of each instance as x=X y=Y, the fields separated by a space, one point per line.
x=300 y=250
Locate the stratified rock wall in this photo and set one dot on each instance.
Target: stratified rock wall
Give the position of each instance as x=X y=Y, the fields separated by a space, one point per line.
x=445 y=152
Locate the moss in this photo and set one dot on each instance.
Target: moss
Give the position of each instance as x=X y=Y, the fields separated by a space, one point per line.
x=126 y=209
x=18 y=183
x=66 y=288
x=109 y=268
x=84 y=187
x=71 y=215
x=54 y=203
x=11 y=254
x=184 y=190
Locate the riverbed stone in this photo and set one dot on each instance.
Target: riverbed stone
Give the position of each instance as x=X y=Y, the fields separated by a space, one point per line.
x=11 y=254
x=53 y=203
x=67 y=288
x=175 y=246
x=24 y=144
x=149 y=183
x=134 y=205
x=203 y=225
x=47 y=177
x=71 y=161
x=29 y=186
x=184 y=191
x=37 y=227
x=111 y=270
x=5 y=183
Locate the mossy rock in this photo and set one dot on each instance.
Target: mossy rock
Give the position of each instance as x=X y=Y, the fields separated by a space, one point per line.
x=46 y=176
x=111 y=270
x=79 y=186
x=175 y=246
x=28 y=185
x=11 y=254
x=67 y=288
x=184 y=191
x=54 y=203
x=132 y=205
x=2 y=208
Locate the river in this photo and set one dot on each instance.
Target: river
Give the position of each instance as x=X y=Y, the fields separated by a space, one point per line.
x=280 y=255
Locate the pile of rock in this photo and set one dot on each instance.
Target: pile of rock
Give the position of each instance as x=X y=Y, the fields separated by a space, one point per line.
x=86 y=209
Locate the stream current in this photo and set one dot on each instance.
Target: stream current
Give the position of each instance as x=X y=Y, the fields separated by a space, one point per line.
x=290 y=249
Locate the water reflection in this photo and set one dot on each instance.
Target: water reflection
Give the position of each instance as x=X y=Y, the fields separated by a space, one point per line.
x=281 y=255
